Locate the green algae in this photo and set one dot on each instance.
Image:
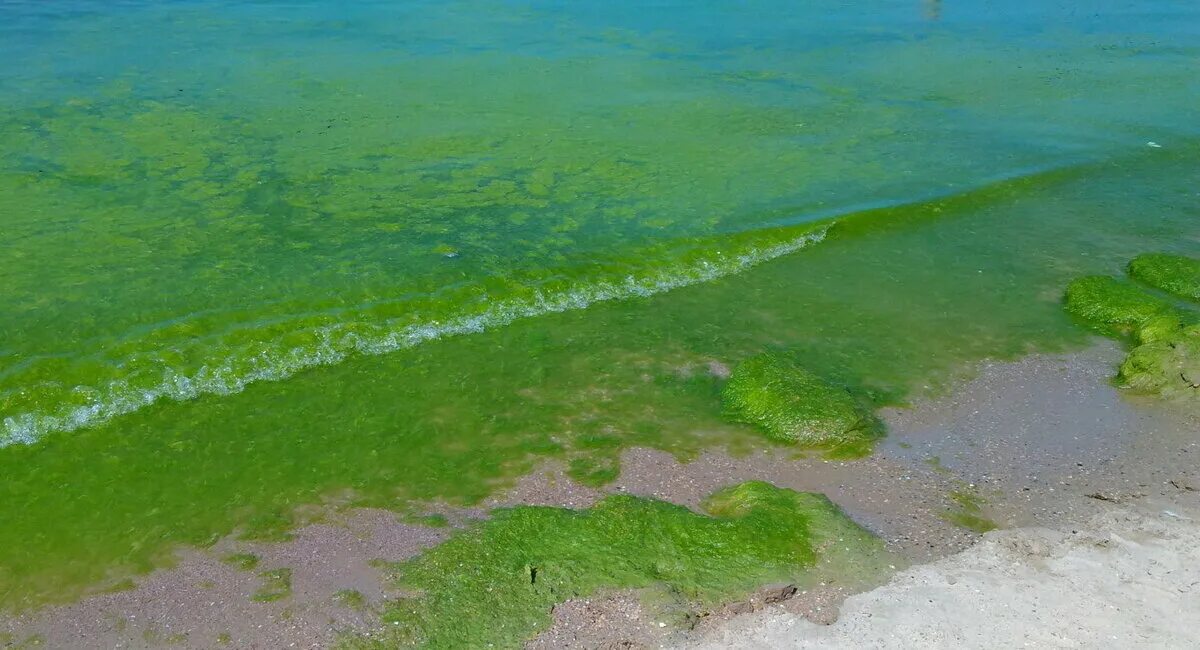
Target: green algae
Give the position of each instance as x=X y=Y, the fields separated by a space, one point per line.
x=935 y=463
x=971 y=521
x=271 y=256
x=242 y=188
x=351 y=598
x=126 y=584
x=276 y=585
x=496 y=583
x=1168 y=366
x=894 y=302
x=793 y=405
x=1165 y=357
x=242 y=561
x=245 y=225
x=594 y=471
x=1117 y=306
x=968 y=511
x=34 y=641
x=1174 y=274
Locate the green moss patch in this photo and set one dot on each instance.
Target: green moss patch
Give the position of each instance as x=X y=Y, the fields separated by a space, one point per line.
x=791 y=404
x=1171 y=273
x=494 y=585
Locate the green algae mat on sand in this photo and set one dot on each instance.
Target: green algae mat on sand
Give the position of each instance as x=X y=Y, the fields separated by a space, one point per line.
x=494 y=584
x=1165 y=357
x=773 y=392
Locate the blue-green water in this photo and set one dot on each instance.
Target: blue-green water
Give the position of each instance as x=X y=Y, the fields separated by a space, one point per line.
x=254 y=254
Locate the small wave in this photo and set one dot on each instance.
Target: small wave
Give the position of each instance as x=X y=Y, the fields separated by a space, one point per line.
x=331 y=344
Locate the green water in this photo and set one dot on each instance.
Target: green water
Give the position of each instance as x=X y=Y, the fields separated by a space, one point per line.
x=267 y=256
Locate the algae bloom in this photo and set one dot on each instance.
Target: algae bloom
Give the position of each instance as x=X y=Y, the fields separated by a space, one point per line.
x=1119 y=307
x=793 y=405
x=494 y=584
x=1166 y=358
x=1172 y=273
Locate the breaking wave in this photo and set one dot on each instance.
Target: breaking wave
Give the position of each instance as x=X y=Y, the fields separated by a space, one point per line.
x=228 y=367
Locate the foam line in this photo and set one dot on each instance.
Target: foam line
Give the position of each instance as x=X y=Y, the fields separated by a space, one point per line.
x=337 y=342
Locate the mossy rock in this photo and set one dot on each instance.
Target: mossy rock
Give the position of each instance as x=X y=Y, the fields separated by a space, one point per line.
x=1169 y=367
x=1172 y=273
x=1117 y=306
x=1164 y=327
x=1165 y=360
x=791 y=404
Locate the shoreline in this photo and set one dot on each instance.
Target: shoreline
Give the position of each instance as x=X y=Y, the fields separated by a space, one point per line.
x=1022 y=436
x=1128 y=576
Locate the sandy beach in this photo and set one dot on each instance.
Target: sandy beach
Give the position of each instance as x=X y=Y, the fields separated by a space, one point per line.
x=1129 y=577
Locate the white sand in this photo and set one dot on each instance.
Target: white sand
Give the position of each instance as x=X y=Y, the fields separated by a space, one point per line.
x=1130 y=579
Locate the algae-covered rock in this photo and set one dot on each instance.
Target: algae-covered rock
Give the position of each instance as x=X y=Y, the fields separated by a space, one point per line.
x=1166 y=358
x=1163 y=327
x=1118 y=306
x=1169 y=367
x=1172 y=273
x=791 y=404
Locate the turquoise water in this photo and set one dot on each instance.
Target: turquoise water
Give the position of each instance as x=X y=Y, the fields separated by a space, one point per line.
x=258 y=254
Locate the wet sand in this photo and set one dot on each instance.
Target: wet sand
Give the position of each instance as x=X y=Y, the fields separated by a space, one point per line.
x=1029 y=439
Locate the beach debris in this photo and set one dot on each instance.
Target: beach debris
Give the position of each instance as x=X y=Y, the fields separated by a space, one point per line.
x=1183 y=484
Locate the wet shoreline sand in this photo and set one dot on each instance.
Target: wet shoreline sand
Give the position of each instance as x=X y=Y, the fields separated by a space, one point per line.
x=1126 y=577
x=1029 y=440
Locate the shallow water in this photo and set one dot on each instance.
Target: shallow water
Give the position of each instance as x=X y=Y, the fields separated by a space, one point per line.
x=265 y=254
